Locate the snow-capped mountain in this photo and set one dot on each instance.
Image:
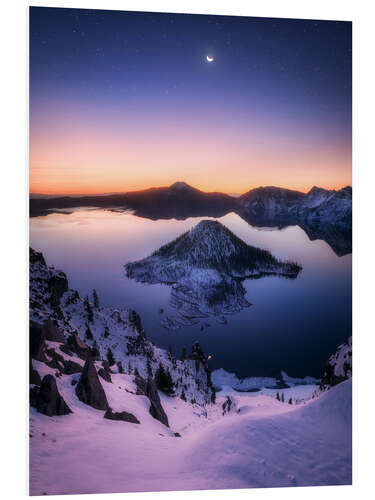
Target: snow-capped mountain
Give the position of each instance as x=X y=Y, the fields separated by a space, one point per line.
x=317 y=206
x=59 y=314
x=323 y=214
x=205 y=267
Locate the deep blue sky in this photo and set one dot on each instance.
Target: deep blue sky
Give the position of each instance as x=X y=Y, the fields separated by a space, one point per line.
x=277 y=96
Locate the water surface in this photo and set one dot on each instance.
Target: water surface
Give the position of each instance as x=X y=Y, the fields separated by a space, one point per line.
x=292 y=325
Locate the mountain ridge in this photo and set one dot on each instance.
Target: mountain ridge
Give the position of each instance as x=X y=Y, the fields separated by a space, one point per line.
x=321 y=213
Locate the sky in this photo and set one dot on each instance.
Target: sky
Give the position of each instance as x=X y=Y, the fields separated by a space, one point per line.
x=121 y=101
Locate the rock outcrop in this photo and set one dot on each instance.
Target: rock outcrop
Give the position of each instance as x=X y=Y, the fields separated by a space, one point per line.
x=34 y=377
x=37 y=342
x=122 y=415
x=52 y=331
x=89 y=390
x=105 y=375
x=71 y=367
x=148 y=388
x=46 y=398
x=338 y=367
x=76 y=345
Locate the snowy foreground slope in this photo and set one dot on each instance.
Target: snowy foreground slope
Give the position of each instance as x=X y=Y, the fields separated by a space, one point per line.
x=265 y=444
x=101 y=422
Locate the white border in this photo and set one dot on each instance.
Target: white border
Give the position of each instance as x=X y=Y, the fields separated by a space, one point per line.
x=14 y=184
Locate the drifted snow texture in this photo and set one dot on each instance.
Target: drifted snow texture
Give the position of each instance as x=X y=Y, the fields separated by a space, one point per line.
x=266 y=444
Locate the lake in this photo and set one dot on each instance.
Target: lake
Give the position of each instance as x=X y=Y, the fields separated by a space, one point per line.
x=293 y=325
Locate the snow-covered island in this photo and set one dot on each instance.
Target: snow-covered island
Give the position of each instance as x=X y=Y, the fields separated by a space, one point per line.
x=112 y=412
x=205 y=268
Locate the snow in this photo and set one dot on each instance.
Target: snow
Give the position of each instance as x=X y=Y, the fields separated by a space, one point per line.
x=255 y=441
x=125 y=339
x=296 y=388
x=265 y=444
x=342 y=360
x=205 y=268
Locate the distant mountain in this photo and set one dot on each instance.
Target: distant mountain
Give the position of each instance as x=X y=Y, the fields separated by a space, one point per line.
x=205 y=267
x=273 y=204
x=179 y=201
x=321 y=213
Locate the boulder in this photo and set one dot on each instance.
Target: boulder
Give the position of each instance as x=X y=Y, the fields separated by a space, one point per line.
x=36 y=257
x=46 y=398
x=89 y=390
x=122 y=415
x=57 y=361
x=57 y=286
x=52 y=331
x=64 y=348
x=105 y=375
x=34 y=377
x=148 y=388
x=76 y=345
x=106 y=366
x=71 y=367
x=37 y=342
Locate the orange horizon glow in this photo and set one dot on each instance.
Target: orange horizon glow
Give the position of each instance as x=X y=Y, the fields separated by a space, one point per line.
x=207 y=189
x=81 y=156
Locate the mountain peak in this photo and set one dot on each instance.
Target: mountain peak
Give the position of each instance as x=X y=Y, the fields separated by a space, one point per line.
x=211 y=245
x=180 y=185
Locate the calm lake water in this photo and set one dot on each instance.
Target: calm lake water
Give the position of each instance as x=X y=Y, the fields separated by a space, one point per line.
x=292 y=325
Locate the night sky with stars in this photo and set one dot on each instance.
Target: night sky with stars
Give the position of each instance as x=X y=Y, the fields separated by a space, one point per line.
x=127 y=100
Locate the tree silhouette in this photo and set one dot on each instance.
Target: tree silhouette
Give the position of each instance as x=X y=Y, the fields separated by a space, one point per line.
x=163 y=380
x=110 y=357
x=95 y=298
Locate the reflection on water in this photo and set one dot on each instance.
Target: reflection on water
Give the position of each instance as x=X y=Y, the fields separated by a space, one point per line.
x=293 y=324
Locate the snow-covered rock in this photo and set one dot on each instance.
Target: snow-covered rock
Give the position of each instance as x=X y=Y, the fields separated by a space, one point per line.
x=90 y=330
x=317 y=206
x=321 y=213
x=260 y=443
x=221 y=378
x=339 y=366
x=205 y=268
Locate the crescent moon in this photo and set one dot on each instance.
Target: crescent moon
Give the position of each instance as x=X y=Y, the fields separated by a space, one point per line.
x=209 y=58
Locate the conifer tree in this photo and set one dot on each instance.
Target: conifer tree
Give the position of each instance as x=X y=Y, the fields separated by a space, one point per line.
x=88 y=308
x=89 y=335
x=110 y=357
x=282 y=397
x=95 y=350
x=149 y=367
x=278 y=396
x=183 y=354
x=183 y=397
x=106 y=332
x=163 y=380
x=95 y=298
